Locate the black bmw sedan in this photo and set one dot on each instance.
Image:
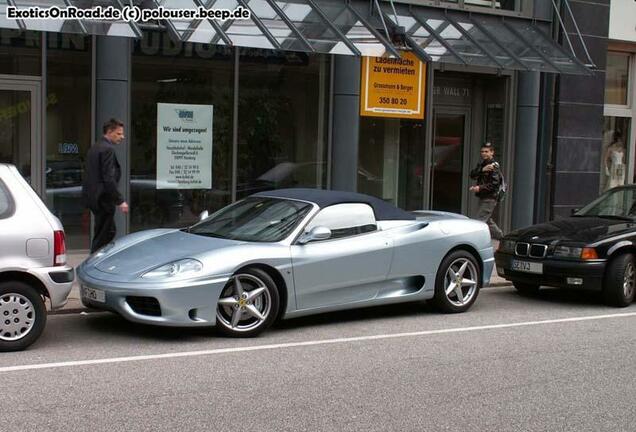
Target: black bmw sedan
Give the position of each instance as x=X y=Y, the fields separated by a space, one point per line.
x=595 y=249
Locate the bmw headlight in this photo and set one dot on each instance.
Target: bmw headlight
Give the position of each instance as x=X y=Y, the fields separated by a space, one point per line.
x=507 y=246
x=568 y=251
x=184 y=267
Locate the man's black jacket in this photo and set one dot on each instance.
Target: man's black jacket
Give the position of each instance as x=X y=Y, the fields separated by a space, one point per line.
x=101 y=176
x=488 y=181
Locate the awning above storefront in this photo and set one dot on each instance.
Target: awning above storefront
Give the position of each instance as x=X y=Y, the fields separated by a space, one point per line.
x=353 y=27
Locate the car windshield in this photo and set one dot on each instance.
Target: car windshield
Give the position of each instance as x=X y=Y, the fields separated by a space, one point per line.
x=254 y=219
x=619 y=203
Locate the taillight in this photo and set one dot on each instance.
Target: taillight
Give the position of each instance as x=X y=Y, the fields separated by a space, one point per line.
x=59 y=248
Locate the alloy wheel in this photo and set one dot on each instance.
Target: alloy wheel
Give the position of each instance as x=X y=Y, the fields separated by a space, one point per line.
x=628 y=280
x=245 y=303
x=17 y=316
x=460 y=282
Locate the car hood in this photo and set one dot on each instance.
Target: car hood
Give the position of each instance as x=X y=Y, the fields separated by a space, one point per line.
x=144 y=255
x=575 y=229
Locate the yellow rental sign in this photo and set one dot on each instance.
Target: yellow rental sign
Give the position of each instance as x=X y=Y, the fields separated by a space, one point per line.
x=392 y=87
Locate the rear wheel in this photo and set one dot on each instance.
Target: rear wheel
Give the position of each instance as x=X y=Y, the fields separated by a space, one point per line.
x=526 y=288
x=620 y=281
x=457 y=282
x=248 y=304
x=22 y=315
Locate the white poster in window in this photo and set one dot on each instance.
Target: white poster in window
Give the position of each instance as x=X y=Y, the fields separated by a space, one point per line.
x=184 y=146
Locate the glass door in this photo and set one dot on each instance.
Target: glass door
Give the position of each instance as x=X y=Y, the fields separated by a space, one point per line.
x=448 y=180
x=19 y=128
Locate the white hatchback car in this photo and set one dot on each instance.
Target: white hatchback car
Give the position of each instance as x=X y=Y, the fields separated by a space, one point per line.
x=32 y=262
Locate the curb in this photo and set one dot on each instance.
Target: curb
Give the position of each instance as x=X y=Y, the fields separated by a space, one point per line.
x=76 y=310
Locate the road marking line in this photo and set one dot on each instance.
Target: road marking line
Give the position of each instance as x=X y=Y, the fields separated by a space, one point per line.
x=307 y=343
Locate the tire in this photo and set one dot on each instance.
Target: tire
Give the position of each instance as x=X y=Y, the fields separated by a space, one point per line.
x=448 y=274
x=20 y=301
x=619 y=283
x=236 y=310
x=526 y=289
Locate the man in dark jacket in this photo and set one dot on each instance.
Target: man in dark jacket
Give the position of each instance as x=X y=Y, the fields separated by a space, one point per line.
x=488 y=177
x=100 y=184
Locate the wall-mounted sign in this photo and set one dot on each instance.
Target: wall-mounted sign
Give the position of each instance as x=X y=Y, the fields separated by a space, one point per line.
x=184 y=146
x=393 y=87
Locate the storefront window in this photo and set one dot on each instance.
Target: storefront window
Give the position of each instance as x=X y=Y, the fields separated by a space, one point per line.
x=616 y=78
x=391 y=160
x=615 y=152
x=282 y=123
x=165 y=72
x=68 y=132
x=20 y=52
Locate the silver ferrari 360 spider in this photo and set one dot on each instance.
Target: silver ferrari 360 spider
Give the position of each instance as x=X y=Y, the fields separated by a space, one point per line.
x=287 y=253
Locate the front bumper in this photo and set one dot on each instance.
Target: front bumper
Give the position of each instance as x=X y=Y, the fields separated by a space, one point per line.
x=184 y=304
x=555 y=272
x=58 y=282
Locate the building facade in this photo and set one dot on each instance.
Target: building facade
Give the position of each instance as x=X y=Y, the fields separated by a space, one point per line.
x=619 y=139
x=285 y=105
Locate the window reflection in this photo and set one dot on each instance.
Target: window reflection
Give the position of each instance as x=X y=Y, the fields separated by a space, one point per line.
x=282 y=121
x=614 y=156
x=167 y=72
x=68 y=132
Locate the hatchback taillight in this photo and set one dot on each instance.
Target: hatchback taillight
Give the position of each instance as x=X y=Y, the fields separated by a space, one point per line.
x=59 y=248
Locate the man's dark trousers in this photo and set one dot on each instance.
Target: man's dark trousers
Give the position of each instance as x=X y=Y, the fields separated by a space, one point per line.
x=105 y=230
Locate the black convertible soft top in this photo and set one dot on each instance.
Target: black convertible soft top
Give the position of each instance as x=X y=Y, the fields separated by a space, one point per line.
x=325 y=198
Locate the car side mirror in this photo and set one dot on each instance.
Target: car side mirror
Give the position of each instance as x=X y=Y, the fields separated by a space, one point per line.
x=574 y=210
x=316 y=233
x=203 y=215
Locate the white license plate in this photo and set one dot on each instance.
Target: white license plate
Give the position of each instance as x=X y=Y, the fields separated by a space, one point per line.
x=527 y=266
x=94 y=294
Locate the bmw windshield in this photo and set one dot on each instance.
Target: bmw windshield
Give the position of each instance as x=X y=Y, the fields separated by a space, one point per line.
x=254 y=219
x=618 y=203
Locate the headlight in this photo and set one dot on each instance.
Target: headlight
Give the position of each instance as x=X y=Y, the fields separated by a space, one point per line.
x=507 y=246
x=568 y=251
x=178 y=268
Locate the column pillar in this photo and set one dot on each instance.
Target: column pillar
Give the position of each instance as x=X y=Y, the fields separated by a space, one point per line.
x=112 y=100
x=525 y=147
x=346 y=123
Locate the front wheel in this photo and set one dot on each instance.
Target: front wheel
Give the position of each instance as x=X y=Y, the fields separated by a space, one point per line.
x=248 y=304
x=620 y=281
x=22 y=315
x=457 y=282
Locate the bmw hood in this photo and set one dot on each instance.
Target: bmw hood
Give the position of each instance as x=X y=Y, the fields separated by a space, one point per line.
x=142 y=256
x=575 y=229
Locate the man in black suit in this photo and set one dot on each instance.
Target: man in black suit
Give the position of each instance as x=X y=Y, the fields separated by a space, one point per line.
x=100 y=183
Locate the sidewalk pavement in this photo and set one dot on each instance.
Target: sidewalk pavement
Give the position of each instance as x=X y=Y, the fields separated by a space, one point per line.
x=74 y=304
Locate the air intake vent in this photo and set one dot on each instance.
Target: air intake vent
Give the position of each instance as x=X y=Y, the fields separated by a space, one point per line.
x=144 y=305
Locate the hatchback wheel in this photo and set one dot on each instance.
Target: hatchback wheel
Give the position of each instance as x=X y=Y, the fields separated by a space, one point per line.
x=457 y=282
x=248 y=304
x=22 y=315
x=620 y=281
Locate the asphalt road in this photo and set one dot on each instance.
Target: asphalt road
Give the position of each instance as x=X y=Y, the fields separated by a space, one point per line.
x=557 y=362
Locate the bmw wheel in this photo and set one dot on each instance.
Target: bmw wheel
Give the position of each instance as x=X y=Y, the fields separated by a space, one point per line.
x=457 y=282
x=22 y=315
x=620 y=281
x=248 y=304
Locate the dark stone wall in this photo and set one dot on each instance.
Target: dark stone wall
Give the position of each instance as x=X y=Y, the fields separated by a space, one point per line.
x=578 y=127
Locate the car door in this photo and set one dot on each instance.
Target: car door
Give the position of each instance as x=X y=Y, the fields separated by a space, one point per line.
x=348 y=267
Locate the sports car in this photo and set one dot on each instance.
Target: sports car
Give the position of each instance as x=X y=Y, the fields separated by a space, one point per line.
x=286 y=253
x=594 y=249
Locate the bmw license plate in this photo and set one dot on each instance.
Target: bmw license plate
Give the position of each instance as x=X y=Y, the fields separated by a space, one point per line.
x=94 y=294
x=527 y=266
